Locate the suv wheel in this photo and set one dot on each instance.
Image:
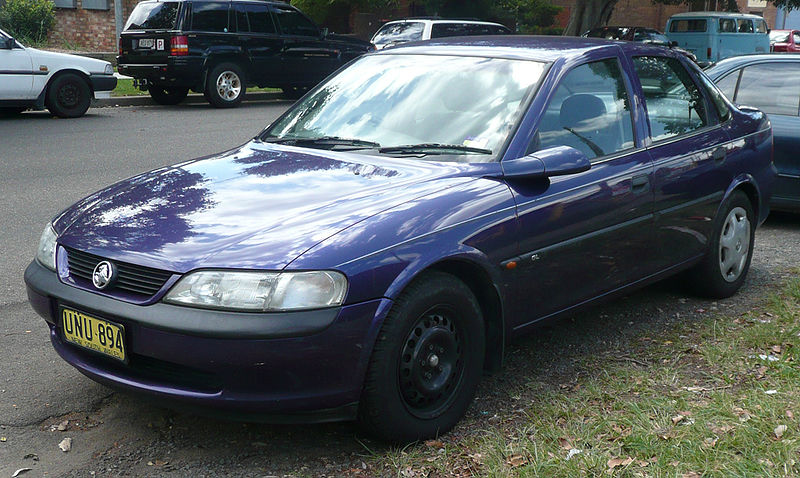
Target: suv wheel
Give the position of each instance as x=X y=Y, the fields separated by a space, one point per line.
x=225 y=85
x=68 y=96
x=168 y=95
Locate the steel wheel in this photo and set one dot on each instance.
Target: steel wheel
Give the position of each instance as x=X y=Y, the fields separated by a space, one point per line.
x=734 y=244
x=431 y=364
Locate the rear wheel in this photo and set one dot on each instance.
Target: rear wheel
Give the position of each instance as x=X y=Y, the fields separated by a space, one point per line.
x=225 y=85
x=724 y=269
x=427 y=361
x=168 y=95
x=68 y=96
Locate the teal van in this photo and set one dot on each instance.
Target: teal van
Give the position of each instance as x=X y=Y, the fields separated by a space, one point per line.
x=712 y=36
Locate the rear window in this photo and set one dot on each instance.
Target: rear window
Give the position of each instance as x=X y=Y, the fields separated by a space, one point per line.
x=153 y=16
x=399 y=32
x=689 y=25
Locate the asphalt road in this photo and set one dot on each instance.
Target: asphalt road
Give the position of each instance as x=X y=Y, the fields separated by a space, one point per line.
x=46 y=164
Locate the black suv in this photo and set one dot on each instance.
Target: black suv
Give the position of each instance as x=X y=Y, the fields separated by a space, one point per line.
x=220 y=47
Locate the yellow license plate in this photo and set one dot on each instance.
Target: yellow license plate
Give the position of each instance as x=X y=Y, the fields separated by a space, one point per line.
x=92 y=333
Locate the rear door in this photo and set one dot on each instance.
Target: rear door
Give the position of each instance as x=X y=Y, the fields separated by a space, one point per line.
x=306 y=57
x=260 y=40
x=146 y=38
x=688 y=148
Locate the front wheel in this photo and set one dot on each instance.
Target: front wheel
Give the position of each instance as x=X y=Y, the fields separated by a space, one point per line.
x=225 y=85
x=167 y=96
x=68 y=96
x=723 y=270
x=427 y=361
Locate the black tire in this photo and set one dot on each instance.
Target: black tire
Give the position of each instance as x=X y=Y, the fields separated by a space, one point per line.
x=68 y=96
x=724 y=268
x=427 y=361
x=294 y=92
x=225 y=85
x=167 y=95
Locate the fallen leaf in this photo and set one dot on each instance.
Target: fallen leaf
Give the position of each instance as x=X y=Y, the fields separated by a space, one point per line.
x=516 y=460
x=62 y=426
x=3 y=439
x=66 y=444
x=691 y=474
x=160 y=462
x=710 y=442
x=761 y=371
x=434 y=443
x=32 y=456
x=615 y=462
x=776 y=349
x=789 y=414
x=20 y=471
x=771 y=392
x=677 y=419
x=779 y=431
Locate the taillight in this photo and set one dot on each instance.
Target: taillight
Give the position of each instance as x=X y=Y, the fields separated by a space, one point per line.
x=120 y=46
x=179 y=45
x=708 y=53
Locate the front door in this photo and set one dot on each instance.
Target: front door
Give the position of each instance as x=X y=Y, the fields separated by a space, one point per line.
x=16 y=74
x=306 y=58
x=584 y=235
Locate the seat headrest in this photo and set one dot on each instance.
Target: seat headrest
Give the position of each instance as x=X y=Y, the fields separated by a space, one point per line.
x=581 y=107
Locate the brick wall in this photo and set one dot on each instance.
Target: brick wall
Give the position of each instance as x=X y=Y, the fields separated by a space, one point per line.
x=88 y=30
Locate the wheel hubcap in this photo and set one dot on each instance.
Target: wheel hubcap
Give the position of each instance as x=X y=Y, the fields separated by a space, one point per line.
x=734 y=244
x=431 y=364
x=229 y=85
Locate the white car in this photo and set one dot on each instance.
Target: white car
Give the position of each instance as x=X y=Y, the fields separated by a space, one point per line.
x=34 y=79
x=413 y=29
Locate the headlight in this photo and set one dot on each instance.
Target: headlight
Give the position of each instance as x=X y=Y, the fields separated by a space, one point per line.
x=109 y=69
x=46 y=253
x=260 y=291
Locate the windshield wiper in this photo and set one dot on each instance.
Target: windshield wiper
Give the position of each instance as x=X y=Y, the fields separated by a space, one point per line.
x=325 y=141
x=434 y=148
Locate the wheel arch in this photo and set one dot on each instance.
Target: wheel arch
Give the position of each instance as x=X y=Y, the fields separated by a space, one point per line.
x=212 y=60
x=84 y=75
x=748 y=185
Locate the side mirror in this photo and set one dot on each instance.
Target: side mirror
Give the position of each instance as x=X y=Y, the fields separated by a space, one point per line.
x=555 y=161
x=323 y=33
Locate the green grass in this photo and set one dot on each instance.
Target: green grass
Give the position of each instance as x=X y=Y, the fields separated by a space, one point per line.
x=125 y=88
x=698 y=402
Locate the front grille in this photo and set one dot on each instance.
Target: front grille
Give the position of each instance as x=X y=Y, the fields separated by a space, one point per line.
x=139 y=280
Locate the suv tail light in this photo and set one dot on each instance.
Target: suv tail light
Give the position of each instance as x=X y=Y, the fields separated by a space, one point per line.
x=179 y=45
x=120 y=46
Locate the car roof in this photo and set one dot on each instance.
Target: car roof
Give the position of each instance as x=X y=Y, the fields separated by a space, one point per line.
x=716 y=15
x=732 y=63
x=538 y=48
x=443 y=20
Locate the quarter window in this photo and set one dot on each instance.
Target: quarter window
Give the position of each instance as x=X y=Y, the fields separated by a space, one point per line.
x=293 y=22
x=728 y=84
x=770 y=87
x=674 y=103
x=590 y=111
x=210 y=16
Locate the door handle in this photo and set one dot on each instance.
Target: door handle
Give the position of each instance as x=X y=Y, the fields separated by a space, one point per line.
x=719 y=154
x=640 y=184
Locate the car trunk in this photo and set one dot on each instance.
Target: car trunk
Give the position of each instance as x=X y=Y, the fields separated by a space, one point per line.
x=150 y=31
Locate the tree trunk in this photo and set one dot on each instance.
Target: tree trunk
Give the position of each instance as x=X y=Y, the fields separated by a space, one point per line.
x=587 y=14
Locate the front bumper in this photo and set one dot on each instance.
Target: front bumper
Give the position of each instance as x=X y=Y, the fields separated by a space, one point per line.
x=102 y=82
x=313 y=371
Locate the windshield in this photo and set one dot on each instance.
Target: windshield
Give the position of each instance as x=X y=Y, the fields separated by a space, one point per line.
x=399 y=33
x=153 y=16
x=779 y=37
x=470 y=103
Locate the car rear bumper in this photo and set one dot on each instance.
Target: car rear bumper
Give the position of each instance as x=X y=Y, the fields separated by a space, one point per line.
x=184 y=72
x=294 y=376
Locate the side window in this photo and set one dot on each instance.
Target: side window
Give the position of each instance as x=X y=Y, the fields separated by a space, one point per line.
x=440 y=30
x=745 y=26
x=674 y=103
x=293 y=22
x=771 y=87
x=727 y=25
x=796 y=37
x=761 y=26
x=210 y=16
x=241 y=18
x=259 y=18
x=589 y=111
x=728 y=84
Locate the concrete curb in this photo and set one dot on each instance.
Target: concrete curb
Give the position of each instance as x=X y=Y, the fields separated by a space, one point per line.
x=146 y=100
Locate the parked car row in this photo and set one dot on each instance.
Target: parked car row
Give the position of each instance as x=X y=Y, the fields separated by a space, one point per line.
x=370 y=252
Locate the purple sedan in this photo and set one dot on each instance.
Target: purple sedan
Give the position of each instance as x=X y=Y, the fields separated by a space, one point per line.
x=368 y=255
